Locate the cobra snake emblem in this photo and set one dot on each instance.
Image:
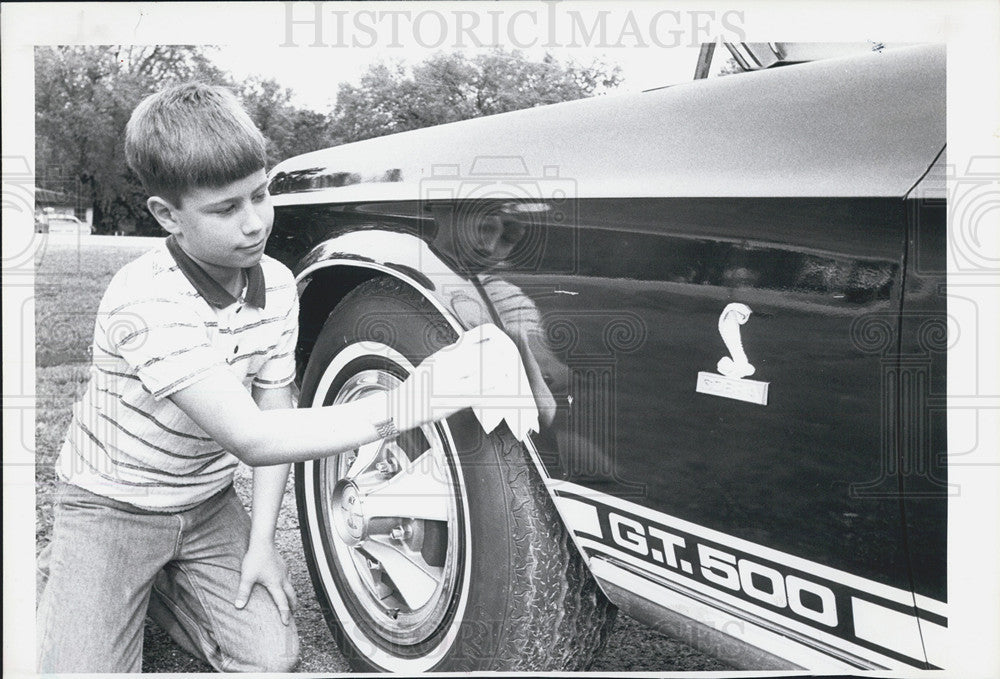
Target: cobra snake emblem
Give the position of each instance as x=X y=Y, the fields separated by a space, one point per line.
x=736 y=364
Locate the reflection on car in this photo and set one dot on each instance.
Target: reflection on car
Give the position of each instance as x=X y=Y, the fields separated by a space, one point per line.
x=729 y=300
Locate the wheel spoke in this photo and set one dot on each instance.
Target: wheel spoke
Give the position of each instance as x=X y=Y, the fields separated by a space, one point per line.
x=415 y=580
x=392 y=507
x=378 y=590
x=366 y=456
x=419 y=491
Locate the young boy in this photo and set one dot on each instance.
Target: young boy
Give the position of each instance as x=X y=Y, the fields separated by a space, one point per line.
x=192 y=370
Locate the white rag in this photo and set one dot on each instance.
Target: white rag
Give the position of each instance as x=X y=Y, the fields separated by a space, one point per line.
x=499 y=391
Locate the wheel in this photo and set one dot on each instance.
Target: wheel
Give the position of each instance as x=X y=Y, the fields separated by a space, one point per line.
x=440 y=549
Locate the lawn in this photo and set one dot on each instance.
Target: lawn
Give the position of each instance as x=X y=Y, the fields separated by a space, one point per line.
x=70 y=279
x=69 y=282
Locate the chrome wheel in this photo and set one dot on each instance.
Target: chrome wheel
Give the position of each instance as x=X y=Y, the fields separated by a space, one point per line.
x=439 y=550
x=392 y=523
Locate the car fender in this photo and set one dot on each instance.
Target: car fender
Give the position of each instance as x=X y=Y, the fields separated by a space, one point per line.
x=409 y=259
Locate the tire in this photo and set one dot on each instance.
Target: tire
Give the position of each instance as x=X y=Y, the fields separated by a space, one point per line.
x=510 y=592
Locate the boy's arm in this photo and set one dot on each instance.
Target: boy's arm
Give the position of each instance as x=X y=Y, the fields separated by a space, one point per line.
x=222 y=407
x=262 y=563
x=445 y=383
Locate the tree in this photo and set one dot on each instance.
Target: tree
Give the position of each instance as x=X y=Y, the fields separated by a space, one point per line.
x=288 y=130
x=449 y=87
x=84 y=95
x=730 y=67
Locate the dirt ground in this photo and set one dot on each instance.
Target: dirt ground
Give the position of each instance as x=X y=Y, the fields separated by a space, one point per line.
x=71 y=275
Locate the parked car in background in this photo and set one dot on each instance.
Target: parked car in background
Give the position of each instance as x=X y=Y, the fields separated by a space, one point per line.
x=729 y=301
x=64 y=224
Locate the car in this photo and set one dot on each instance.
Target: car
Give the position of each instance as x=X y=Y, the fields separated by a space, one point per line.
x=728 y=296
x=67 y=224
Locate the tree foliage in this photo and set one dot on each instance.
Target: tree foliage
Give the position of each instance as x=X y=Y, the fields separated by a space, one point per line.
x=84 y=96
x=289 y=130
x=451 y=86
x=730 y=67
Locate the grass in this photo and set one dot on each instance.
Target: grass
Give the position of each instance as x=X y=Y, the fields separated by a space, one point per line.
x=69 y=282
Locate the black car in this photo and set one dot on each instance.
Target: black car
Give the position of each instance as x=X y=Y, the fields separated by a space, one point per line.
x=729 y=300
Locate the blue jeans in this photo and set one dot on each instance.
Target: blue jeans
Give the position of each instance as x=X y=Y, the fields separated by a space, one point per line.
x=109 y=564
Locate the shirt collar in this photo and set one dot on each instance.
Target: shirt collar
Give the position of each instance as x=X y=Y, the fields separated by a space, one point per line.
x=209 y=288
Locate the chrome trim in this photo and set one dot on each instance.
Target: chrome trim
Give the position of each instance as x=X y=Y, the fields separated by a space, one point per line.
x=704 y=64
x=718 y=643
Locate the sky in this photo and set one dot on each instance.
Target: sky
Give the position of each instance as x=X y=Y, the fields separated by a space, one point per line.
x=313 y=73
x=313 y=47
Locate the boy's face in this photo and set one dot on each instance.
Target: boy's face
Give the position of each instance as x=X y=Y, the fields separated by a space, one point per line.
x=225 y=227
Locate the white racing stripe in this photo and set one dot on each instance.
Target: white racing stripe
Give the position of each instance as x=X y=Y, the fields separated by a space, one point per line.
x=890 y=629
x=880 y=590
x=579 y=516
x=877 y=623
x=931 y=605
x=777 y=644
x=936 y=643
x=732 y=602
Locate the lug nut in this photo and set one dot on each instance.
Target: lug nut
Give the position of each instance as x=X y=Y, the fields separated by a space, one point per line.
x=385 y=468
x=400 y=533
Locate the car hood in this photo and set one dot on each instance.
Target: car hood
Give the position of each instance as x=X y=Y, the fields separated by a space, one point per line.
x=866 y=125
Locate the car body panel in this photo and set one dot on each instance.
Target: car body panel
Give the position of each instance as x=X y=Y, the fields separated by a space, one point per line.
x=641 y=221
x=645 y=324
x=927 y=333
x=684 y=141
x=720 y=473
x=639 y=298
x=852 y=622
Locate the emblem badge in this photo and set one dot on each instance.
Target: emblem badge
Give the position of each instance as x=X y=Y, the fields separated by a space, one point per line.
x=729 y=382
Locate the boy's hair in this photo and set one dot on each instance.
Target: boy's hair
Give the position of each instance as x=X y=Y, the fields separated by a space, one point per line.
x=191 y=135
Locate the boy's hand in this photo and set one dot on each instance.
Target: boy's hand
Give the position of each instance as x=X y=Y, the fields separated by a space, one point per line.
x=262 y=564
x=481 y=370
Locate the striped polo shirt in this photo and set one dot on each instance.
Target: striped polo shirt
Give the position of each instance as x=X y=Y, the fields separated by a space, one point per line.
x=163 y=323
x=518 y=313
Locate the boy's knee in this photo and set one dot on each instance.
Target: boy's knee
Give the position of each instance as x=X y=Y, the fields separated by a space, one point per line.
x=277 y=652
x=285 y=656
x=279 y=661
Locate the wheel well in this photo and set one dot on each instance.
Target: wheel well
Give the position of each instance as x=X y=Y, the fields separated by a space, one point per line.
x=325 y=290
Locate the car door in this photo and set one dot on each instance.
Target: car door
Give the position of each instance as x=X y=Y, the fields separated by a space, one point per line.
x=798 y=472
x=796 y=456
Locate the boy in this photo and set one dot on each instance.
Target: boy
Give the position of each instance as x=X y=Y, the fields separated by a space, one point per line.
x=193 y=364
